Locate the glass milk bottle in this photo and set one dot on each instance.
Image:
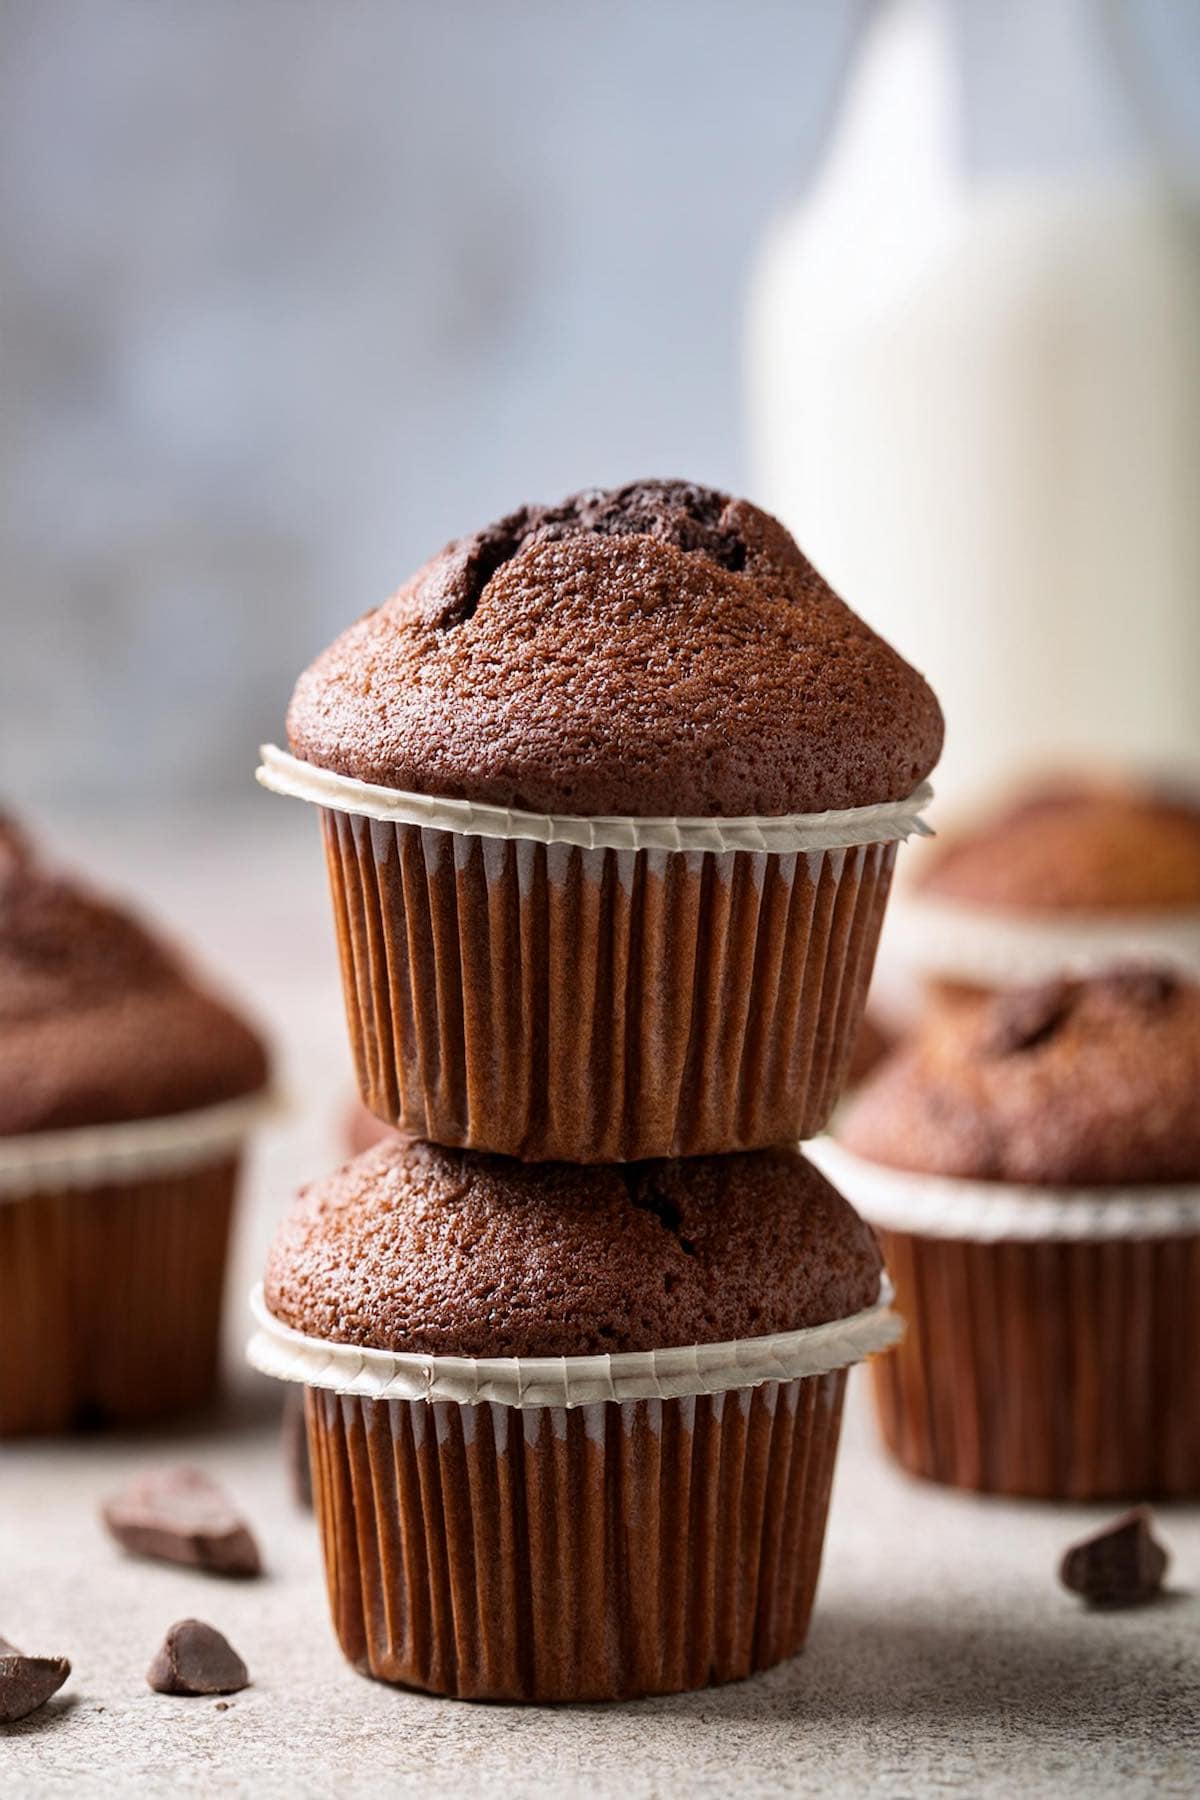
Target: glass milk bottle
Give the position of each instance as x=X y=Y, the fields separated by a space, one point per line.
x=975 y=382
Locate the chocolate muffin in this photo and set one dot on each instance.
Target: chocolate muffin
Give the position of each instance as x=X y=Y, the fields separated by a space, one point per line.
x=124 y=1099
x=1031 y=1161
x=1070 y=877
x=1069 y=1083
x=572 y=1430
x=99 y=1022
x=655 y=649
x=611 y=793
x=412 y=1247
x=1078 y=846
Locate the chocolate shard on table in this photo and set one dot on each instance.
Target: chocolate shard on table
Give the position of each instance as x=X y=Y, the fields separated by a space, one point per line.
x=195 y=1658
x=27 y=1682
x=182 y=1515
x=1123 y=1565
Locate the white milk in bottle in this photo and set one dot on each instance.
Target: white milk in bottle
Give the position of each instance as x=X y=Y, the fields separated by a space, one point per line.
x=975 y=391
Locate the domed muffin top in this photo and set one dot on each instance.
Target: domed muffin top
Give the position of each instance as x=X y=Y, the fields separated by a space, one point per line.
x=1078 y=845
x=1073 y=1083
x=653 y=650
x=98 y=1021
x=412 y=1247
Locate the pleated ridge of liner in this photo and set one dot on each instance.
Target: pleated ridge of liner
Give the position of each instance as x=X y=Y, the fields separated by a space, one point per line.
x=688 y=1534
x=1049 y=1370
x=110 y=1299
x=643 y=1053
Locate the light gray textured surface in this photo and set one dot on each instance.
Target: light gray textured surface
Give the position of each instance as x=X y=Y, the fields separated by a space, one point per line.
x=943 y=1658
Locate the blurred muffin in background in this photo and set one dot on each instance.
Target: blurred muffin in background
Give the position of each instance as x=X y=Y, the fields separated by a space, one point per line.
x=1031 y=1162
x=126 y=1091
x=1072 y=874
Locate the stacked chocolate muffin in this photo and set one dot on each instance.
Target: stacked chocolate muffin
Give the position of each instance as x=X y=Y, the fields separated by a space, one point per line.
x=611 y=794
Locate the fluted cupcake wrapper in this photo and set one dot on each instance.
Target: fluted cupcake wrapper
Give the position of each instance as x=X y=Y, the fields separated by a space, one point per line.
x=1053 y=1334
x=592 y=1553
x=552 y=1001
x=1053 y=1370
x=110 y=1298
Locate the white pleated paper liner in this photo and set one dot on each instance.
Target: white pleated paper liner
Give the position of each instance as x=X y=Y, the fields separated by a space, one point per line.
x=986 y=1212
x=783 y=834
x=538 y=1381
x=986 y=947
x=131 y=1150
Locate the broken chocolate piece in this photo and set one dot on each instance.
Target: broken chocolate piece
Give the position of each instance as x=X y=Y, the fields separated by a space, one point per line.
x=196 y=1659
x=295 y=1446
x=27 y=1682
x=1123 y=1565
x=181 y=1515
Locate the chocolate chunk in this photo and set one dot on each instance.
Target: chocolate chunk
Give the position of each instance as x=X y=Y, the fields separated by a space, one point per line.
x=1123 y=1565
x=27 y=1682
x=295 y=1446
x=181 y=1515
x=196 y=1659
x=1025 y=1018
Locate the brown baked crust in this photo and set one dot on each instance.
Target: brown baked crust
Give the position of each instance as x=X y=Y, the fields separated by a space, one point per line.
x=98 y=1021
x=418 y=1248
x=1070 y=1083
x=1078 y=846
x=657 y=649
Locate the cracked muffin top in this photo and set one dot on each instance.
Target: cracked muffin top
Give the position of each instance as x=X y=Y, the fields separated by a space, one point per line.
x=1071 y=1083
x=1077 y=845
x=653 y=650
x=412 y=1247
x=99 y=1022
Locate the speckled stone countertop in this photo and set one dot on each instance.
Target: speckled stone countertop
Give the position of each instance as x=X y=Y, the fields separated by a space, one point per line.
x=943 y=1657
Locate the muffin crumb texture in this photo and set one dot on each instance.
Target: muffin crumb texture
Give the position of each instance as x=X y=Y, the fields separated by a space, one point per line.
x=412 y=1247
x=1069 y=1083
x=657 y=649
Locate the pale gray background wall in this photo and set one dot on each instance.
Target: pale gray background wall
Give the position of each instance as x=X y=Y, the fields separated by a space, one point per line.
x=294 y=290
